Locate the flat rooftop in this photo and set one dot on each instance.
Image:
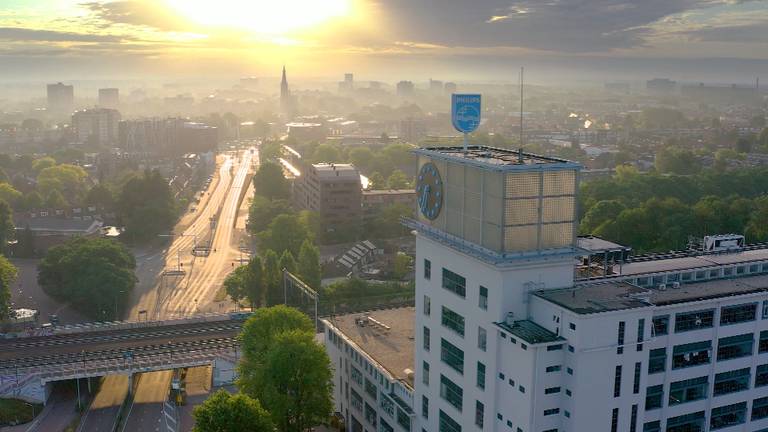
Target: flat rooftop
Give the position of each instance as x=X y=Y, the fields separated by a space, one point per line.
x=393 y=348
x=608 y=296
x=692 y=262
x=530 y=332
x=596 y=244
x=495 y=157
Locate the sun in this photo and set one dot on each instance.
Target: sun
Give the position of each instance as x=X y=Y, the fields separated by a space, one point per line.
x=262 y=16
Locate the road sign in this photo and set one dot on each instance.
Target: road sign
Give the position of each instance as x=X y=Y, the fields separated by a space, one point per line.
x=465 y=112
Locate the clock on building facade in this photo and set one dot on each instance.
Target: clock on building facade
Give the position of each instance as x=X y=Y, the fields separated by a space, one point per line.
x=429 y=191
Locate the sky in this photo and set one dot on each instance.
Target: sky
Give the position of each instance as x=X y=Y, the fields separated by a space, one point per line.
x=389 y=40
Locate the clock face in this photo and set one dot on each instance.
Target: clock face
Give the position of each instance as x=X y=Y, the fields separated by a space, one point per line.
x=429 y=191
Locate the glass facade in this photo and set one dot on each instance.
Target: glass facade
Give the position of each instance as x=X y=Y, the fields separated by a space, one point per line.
x=688 y=390
x=729 y=415
x=452 y=393
x=452 y=356
x=735 y=346
x=447 y=424
x=454 y=283
x=453 y=321
x=732 y=381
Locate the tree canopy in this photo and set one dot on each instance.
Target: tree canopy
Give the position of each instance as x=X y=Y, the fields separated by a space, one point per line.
x=146 y=206
x=95 y=275
x=8 y=273
x=309 y=269
x=247 y=282
x=270 y=183
x=285 y=232
x=225 y=412
x=7 y=230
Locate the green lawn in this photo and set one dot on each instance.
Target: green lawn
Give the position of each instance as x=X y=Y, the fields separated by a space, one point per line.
x=15 y=411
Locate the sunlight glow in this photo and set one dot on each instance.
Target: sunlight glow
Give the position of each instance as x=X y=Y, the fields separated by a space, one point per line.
x=274 y=17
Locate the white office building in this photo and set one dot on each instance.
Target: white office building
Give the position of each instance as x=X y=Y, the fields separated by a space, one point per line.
x=511 y=332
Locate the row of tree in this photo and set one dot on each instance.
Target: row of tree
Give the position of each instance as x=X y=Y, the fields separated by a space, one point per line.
x=285 y=379
x=654 y=212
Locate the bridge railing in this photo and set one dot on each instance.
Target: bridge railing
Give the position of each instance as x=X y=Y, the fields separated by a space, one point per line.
x=120 y=325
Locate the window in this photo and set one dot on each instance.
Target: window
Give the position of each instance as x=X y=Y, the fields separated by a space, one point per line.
x=765 y=309
x=762 y=345
x=735 y=346
x=482 y=339
x=426 y=338
x=483 y=300
x=568 y=392
x=687 y=423
x=738 y=313
x=688 y=390
x=728 y=415
x=452 y=393
x=455 y=283
x=386 y=404
x=688 y=321
x=481 y=375
x=615 y=420
x=557 y=347
x=424 y=407
x=447 y=424
x=636 y=380
x=657 y=360
x=551 y=411
x=479 y=413
x=620 y=339
x=633 y=419
x=370 y=388
x=427 y=269
x=640 y=333
x=452 y=356
x=403 y=419
x=357 y=376
x=555 y=368
x=761 y=375
x=356 y=400
x=661 y=325
x=370 y=415
x=692 y=354
x=552 y=390
x=427 y=306
x=654 y=396
x=522 y=389
x=617 y=382
x=453 y=321
x=425 y=373
x=569 y=371
x=654 y=426
x=572 y=326
x=523 y=346
x=760 y=408
x=732 y=381
x=511 y=382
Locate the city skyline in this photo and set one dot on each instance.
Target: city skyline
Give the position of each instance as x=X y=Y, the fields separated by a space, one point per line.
x=562 y=39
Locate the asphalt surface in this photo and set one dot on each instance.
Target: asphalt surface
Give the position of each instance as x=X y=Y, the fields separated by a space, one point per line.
x=145 y=414
x=101 y=416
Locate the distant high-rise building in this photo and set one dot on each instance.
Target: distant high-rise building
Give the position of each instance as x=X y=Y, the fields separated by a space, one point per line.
x=98 y=126
x=333 y=191
x=405 y=88
x=109 y=98
x=286 y=101
x=660 y=86
x=61 y=98
x=171 y=136
x=348 y=84
x=450 y=87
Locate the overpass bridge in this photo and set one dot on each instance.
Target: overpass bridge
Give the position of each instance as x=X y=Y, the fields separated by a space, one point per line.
x=28 y=364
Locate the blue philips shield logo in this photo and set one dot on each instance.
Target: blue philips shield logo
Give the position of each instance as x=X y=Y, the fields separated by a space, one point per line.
x=465 y=112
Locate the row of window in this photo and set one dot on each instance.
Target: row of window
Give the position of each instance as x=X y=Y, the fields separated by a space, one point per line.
x=720 y=417
x=457 y=284
x=701 y=275
x=701 y=319
x=698 y=353
x=694 y=389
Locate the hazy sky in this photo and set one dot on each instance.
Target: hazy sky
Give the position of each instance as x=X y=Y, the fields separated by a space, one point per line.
x=383 y=39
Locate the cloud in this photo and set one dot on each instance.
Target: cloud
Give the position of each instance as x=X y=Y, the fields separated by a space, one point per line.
x=24 y=34
x=567 y=26
x=137 y=12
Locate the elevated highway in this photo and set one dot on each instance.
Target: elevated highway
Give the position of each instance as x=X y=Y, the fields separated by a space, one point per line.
x=28 y=364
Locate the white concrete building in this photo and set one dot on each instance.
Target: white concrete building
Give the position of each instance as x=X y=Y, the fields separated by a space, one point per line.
x=504 y=338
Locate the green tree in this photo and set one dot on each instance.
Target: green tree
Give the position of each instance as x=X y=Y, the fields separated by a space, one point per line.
x=377 y=181
x=287 y=262
x=55 y=200
x=247 y=282
x=8 y=273
x=386 y=223
x=273 y=278
x=297 y=388
x=224 y=412
x=65 y=178
x=95 y=275
x=32 y=201
x=43 y=163
x=100 y=196
x=270 y=183
x=398 y=180
x=263 y=211
x=677 y=161
x=10 y=195
x=756 y=229
x=234 y=284
x=26 y=248
x=146 y=206
x=361 y=157
x=285 y=232
x=603 y=211
x=258 y=337
x=401 y=265
x=744 y=145
x=7 y=230
x=327 y=153
x=309 y=265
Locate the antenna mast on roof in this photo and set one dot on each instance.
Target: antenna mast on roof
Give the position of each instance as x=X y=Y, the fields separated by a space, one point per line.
x=521 y=113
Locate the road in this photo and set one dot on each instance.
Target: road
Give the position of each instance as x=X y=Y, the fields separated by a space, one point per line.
x=146 y=411
x=102 y=414
x=195 y=291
